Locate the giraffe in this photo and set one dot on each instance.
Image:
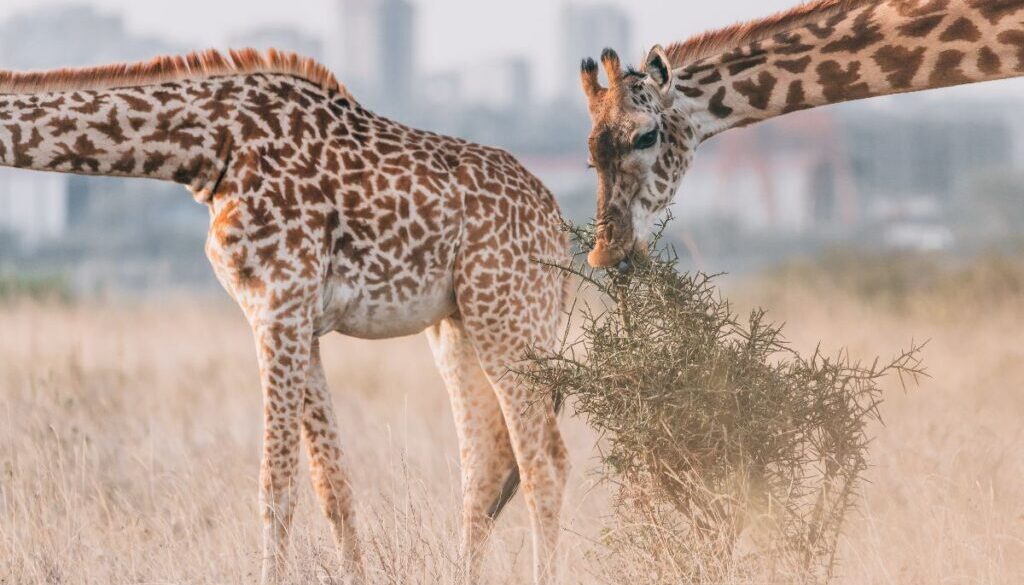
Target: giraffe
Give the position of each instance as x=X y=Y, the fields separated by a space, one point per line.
x=648 y=123
x=325 y=217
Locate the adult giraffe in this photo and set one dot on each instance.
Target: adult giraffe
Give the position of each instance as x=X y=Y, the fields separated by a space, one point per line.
x=647 y=124
x=326 y=217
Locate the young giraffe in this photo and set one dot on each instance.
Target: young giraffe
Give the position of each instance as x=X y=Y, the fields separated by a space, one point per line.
x=326 y=217
x=647 y=124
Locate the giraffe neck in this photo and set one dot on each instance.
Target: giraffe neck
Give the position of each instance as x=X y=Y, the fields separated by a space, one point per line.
x=872 y=48
x=175 y=131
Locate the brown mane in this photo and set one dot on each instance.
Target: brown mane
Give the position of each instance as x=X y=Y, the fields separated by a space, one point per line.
x=716 y=41
x=166 y=69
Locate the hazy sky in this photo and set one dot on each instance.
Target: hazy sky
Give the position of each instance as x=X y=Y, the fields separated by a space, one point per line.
x=451 y=32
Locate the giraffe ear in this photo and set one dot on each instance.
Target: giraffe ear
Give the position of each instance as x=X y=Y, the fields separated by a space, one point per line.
x=659 y=69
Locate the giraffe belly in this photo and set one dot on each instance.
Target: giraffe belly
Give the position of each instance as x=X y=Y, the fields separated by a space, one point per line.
x=352 y=310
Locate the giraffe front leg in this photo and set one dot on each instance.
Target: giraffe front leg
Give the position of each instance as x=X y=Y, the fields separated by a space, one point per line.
x=283 y=346
x=486 y=457
x=320 y=431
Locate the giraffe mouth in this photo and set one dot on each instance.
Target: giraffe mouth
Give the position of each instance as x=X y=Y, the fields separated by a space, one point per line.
x=606 y=256
x=613 y=245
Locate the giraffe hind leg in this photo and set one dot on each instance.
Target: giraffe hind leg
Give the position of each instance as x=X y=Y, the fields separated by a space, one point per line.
x=486 y=456
x=511 y=485
x=502 y=338
x=330 y=479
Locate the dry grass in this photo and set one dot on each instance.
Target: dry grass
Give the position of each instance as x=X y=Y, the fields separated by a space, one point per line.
x=129 y=443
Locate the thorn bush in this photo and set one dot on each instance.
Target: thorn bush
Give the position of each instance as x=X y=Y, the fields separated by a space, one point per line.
x=732 y=453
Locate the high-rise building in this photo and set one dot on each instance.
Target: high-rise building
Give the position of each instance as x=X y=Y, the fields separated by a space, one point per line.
x=33 y=206
x=281 y=38
x=86 y=37
x=37 y=207
x=375 y=57
x=503 y=85
x=586 y=30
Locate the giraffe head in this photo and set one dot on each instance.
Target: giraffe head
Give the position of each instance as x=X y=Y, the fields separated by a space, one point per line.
x=640 y=145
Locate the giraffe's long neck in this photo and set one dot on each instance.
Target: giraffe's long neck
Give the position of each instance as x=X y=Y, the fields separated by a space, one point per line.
x=877 y=47
x=175 y=131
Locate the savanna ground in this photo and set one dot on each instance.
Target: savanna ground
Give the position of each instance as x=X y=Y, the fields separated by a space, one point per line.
x=130 y=437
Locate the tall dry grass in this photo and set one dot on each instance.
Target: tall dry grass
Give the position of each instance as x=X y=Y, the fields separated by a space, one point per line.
x=129 y=445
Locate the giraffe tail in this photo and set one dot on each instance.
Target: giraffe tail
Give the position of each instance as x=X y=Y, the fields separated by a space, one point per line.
x=511 y=485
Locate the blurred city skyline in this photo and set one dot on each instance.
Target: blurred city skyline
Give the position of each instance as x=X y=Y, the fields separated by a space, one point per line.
x=936 y=170
x=451 y=33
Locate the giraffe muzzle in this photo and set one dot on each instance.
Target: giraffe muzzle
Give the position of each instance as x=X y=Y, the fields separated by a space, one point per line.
x=606 y=256
x=613 y=244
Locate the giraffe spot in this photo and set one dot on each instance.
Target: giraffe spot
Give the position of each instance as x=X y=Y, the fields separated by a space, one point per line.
x=988 y=62
x=738 y=67
x=714 y=77
x=1014 y=38
x=828 y=28
x=840 y=84
x=61 y=125
x=863 y=34
x=135 y=103
x=900 y=63
x=795 y=97
x=82 y=156
x=791 y=44
x=717 y=105
x=947 y=69
x=962 y=29
x=759 y=92
x=921 y=27
x=692 y=71
x=111 y=128
x=996 y=10
x=795 y=66
x=188 y=172
x=22 y=147
x=126 y=164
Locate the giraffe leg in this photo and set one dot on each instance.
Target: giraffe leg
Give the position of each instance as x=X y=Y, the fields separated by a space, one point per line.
x=283 y=351
x=537 y=443
x=542 y=459
x=510 y=304
x=485 y=451
x=320 y=431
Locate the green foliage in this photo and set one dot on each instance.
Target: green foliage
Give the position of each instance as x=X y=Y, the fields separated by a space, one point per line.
x=714 y=430
x=43 y=288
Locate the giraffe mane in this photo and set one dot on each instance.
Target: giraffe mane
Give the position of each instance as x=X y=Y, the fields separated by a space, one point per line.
x=712 y=42
x=165 y=69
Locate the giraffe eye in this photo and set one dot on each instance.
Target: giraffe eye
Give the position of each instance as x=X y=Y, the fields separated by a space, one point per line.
x=646 y=140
